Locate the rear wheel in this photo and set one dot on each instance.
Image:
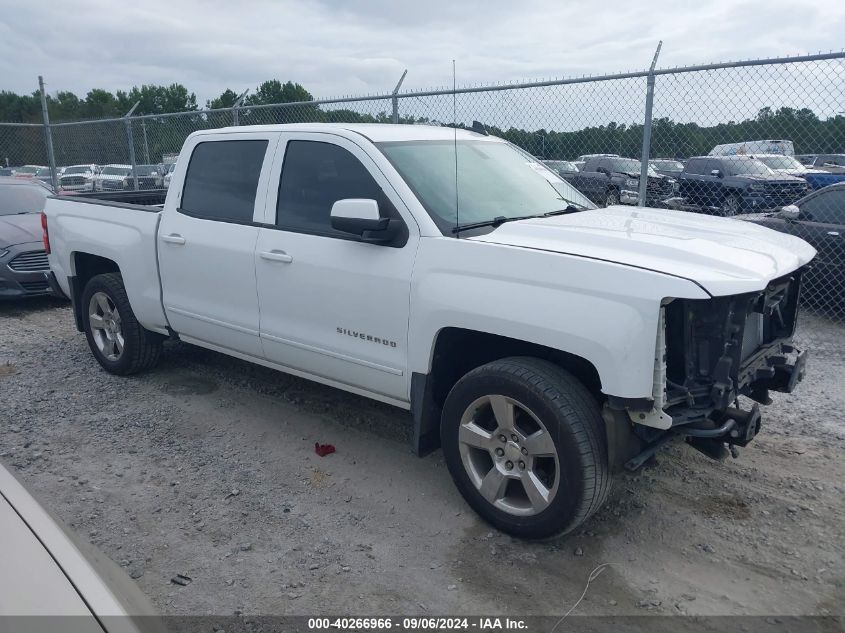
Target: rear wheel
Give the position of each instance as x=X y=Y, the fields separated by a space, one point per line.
x=119 y=343
x=524 y=443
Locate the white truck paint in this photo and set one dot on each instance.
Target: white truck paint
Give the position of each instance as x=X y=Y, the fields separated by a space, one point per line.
x=367 y=318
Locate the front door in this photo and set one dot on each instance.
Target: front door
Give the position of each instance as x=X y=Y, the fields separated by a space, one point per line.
x=333 y=306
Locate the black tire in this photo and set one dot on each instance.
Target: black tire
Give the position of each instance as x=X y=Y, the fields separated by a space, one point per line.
x=141 y=348
x=573 y=419
x=730 y=206
x=612 y=198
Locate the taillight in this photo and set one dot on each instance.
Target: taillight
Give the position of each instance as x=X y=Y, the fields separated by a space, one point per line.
x=45 y=236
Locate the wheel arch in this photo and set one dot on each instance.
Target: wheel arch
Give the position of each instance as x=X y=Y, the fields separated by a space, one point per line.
x=455 y=352
x=84 y=267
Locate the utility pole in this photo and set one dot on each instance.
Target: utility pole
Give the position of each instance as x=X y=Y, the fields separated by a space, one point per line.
x=48 y=135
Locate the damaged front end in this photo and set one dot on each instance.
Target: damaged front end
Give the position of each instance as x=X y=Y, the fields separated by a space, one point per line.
x=708 y=353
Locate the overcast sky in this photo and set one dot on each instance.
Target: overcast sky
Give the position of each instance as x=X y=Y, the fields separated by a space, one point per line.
x=338 y=47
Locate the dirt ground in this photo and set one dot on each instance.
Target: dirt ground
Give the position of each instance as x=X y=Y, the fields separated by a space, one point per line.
x=206 y=467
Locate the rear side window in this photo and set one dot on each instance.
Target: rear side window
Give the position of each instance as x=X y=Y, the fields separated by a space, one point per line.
x=222 y=179
x=315 y=175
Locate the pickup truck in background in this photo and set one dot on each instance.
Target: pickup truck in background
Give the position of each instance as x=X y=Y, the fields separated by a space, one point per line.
x=542 y=342
x=730 y=185
x=611 y=180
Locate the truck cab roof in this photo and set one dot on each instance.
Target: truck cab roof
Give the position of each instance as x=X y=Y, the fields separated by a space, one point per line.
x=375 y=132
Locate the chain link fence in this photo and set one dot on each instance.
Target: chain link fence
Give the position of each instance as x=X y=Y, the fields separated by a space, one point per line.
x=745 y=139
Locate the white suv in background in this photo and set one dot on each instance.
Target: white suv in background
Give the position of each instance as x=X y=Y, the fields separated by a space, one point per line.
x=79 y=178
x=114 y=177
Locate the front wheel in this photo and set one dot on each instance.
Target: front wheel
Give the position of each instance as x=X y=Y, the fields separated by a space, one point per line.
x=523 y=440
x=119 y=343
x=730 y=206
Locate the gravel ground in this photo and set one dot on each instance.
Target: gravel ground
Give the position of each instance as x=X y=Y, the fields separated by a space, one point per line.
x=206 y=467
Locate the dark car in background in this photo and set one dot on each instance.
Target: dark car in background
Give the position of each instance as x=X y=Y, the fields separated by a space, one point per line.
x=818 y=218
x=149 y=177
x=736 y=184
x=609 y=180
x=23 y=260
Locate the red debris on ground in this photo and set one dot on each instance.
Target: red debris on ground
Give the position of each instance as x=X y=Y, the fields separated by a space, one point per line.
x=323 y=449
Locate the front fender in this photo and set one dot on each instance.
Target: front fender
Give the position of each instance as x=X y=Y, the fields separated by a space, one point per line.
x=603 y=312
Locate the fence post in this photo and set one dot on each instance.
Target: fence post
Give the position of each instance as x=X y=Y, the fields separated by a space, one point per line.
x=649 y=104
x=146 y=147
x=237 y=106
x=394 y=99
x=48 y=135
x=131 y=145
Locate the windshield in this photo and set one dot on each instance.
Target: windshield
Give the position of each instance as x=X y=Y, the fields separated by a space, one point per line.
x=746 y=165
x=78 y=169
x=146 y=170
x=116 y=171
x=668 y=165
x=629 y=165
x=494 y=179
x=44 y=171
x=780 y=162
x=22 y=199
x=561 y=166
x=27 y=169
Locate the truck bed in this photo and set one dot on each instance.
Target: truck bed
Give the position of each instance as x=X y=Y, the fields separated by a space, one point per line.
x=120 y=227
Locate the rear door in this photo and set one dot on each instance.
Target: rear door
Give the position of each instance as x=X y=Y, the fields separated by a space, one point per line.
x=206 y=240
x=332 y=306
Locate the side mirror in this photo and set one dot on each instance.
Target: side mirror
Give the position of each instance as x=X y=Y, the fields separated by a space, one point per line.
x=361 y=217
x=716 y=172
x=790 y=212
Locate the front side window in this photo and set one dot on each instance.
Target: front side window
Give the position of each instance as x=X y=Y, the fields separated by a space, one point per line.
x=828 y=207
x=222 y=180
x=493 y=179
x=315 y=175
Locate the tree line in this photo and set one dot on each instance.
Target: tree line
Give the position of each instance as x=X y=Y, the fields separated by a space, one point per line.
x=155 y=136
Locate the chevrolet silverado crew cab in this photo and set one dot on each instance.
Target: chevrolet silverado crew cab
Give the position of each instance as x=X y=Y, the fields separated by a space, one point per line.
x=542 y=342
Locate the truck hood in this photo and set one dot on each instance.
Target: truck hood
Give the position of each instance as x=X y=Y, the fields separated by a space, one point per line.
x=19 y=229
x=722 y=255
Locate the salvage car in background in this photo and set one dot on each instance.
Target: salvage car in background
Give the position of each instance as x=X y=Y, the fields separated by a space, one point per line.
x=23 y=260
x=148 y=177
x=79 y=178
x=48 y=571
x=27 y=171
x=729 y=185
x=113 y=177
x=818 y=218
x=610 y=180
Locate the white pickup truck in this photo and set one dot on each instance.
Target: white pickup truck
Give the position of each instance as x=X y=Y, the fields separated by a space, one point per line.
x=542 y=342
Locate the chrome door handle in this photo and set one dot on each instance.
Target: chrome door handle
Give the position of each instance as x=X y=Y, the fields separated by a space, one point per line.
x=173 y=238
x=277 y=256
x=833 y=233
